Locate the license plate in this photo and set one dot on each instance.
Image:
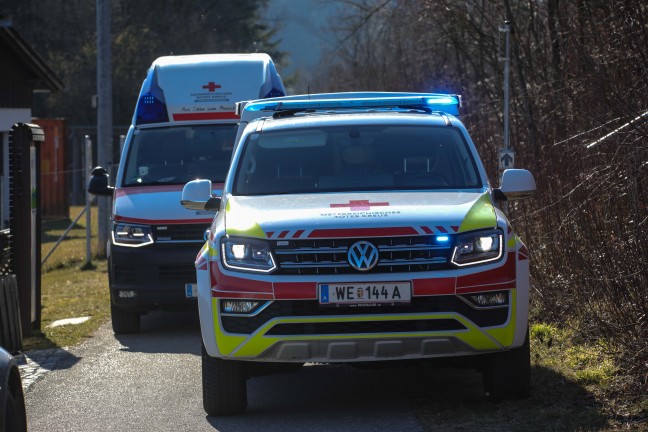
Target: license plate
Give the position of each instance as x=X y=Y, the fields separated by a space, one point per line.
x=191 y=290
x=365 y=294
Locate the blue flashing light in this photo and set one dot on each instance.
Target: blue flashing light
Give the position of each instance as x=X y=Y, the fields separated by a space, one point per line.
x=275 y=92
x=150 y=109
x=151 y=106
x=445 y=103
x=450 y=100
x=442 y=239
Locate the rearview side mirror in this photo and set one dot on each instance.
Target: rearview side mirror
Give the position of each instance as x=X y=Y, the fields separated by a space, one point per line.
x=196 y=195
x=98 y=183
x=516 y=184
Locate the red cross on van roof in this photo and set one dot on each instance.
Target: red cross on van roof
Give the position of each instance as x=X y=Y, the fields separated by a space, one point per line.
x=211 y=86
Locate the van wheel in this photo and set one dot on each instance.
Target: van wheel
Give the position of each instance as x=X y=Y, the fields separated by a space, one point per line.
x=224 y=386
x=507 y=375
x=124 y=321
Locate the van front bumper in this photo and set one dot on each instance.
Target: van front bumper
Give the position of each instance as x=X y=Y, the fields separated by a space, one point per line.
x=152 y=277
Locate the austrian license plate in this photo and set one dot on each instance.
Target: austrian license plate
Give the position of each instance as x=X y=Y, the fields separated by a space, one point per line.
x=365 y=294
x=191 y=290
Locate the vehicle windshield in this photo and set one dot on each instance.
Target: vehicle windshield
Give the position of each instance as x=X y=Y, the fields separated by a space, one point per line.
x=355 y=158
x=178 y=154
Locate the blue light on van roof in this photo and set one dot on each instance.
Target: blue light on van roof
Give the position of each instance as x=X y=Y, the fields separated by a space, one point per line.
x=275 y=92
x=445 y=103
x=150 y=109
x=151 y=106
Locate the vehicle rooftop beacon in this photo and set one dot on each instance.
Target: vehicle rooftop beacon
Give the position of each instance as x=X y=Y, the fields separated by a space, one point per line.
x=183 y=128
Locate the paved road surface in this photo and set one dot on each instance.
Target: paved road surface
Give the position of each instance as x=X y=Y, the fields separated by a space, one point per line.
x=151 y=382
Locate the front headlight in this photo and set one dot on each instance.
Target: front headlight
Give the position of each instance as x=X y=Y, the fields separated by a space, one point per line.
x=477 y=247
x=244 y=254
x=131 y=235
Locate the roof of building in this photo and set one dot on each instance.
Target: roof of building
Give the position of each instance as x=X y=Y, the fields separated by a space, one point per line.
x=46 y=79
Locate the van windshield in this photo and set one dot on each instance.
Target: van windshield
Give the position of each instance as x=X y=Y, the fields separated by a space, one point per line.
x=355 y=158
x=178 y=154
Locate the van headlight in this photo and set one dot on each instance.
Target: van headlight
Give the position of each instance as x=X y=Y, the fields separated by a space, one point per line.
x=477 y=247
x=131 y=235
x=244 y=254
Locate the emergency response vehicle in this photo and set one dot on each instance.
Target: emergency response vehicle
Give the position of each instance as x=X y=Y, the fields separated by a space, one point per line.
x=183 y=128
x=355 y=228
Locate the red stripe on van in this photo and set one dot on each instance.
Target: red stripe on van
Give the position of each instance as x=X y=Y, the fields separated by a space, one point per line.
x=217 y=189
x=118 y=218
x=206 y=116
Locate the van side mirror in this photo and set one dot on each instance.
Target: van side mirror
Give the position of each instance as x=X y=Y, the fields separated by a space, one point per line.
x=196 y=195
x=516 y=184
x=98 y=184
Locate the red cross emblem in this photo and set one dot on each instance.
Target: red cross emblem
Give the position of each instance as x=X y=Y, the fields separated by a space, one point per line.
x=211 y=86
x=357 y=205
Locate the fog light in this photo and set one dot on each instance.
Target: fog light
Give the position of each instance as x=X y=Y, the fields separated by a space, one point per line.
x=239 y=306
x=490 y=299
x=126 y=294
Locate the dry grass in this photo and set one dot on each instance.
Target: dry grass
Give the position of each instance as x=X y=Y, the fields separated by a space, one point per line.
x=70 y=288
x=72 y=250
x=570 y=385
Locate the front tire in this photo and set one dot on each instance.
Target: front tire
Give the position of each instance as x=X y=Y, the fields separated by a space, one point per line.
x=507 y=375
x=224 y=386
x=124 y=321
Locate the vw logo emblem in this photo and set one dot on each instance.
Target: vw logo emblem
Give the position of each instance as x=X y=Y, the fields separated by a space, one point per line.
x=363 y=255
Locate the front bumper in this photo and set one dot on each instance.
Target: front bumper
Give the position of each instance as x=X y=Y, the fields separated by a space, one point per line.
x=152 y=277
x=299 y=331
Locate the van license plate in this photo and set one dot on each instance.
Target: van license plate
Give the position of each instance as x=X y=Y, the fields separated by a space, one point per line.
x=365 y=294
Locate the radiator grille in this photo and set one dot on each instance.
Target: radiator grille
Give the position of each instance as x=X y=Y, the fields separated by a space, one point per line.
x=180 y=233
x=329 y=256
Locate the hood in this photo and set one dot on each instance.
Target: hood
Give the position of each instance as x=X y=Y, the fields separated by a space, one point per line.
x=156 y=205
x=329 y=215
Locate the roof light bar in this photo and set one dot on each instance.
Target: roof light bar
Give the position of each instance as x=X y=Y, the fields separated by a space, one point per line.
x=447 y=103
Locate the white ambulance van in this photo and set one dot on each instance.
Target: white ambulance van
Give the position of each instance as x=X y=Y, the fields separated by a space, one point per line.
x=183 y=128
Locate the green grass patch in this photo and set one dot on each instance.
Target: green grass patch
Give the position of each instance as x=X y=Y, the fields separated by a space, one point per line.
x=570 y=391
x=70 y=292
x=70 y=286
x=560 y=350
x=71 y=250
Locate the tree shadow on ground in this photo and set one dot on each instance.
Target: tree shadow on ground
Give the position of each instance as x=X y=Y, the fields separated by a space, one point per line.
x=51 y=230
x=556 y=404
x=414 y=396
